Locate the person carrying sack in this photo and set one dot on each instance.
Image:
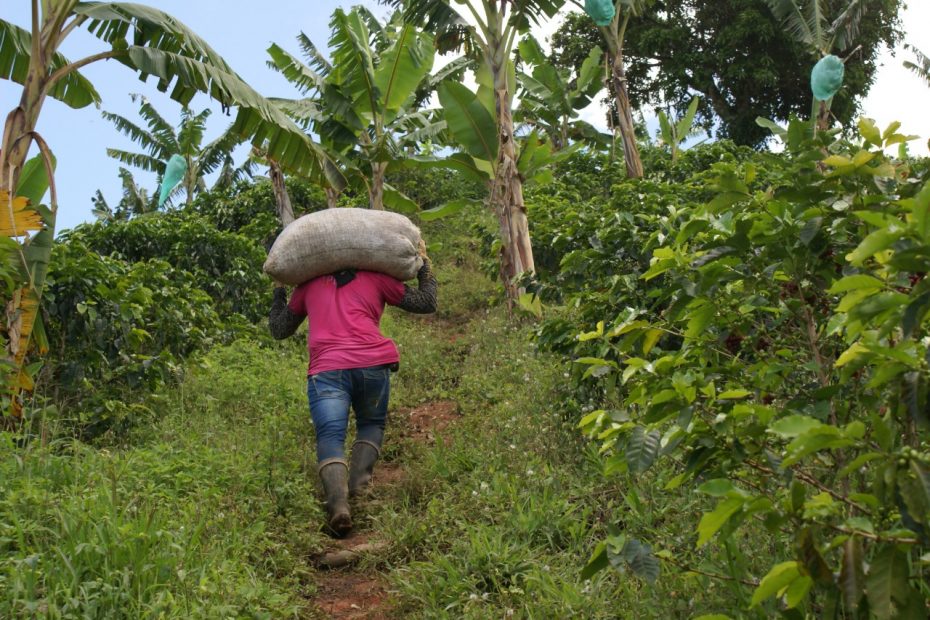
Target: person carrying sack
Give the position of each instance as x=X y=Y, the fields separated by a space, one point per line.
x=350 y=365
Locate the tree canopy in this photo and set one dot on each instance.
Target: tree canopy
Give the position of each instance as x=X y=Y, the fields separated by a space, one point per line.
x=737 y=55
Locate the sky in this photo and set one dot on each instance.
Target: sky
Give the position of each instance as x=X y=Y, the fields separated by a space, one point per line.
x=79 y=138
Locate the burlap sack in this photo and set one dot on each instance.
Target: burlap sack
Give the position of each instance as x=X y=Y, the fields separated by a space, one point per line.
x=326 y=241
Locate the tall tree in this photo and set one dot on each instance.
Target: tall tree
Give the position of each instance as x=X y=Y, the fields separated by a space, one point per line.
x=824 y=27
x=736 y=55
x=160 y=141
x=490 y=35
x=150 y=43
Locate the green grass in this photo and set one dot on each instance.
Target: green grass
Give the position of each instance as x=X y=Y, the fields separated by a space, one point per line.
x=211 y=510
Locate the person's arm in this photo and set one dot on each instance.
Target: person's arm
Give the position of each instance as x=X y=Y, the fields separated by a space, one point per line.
x=282 y=321
x=421 y=300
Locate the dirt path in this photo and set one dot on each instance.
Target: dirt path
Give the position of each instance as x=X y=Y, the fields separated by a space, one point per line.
x=349 y=582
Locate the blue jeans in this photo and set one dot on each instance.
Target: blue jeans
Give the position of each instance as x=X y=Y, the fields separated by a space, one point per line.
x=331 y=393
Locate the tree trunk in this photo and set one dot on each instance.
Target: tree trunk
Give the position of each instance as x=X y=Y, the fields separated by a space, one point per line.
x=634 y=165
x=376 y=189
x=282 y=199
x=822 y=122
x=507 y=197
x=332 y=196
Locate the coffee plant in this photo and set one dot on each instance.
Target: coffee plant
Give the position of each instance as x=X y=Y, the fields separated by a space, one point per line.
x=759 y=332
x=117 y=331
x=226 y=265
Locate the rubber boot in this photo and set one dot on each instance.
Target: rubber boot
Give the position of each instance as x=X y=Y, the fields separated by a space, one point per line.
x=334 y=474
x=364 y=455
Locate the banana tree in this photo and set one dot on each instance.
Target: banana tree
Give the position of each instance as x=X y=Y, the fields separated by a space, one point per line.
x=135 y=200
x=160 y=140
x=150 y=43
x=613 y=29
x=673 y=134
x=921 y=65
x=488 y=29
x=813 y=23
x=362 y=104
x=550 y=99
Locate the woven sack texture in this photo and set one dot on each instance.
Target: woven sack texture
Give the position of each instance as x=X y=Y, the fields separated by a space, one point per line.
x=332 y=239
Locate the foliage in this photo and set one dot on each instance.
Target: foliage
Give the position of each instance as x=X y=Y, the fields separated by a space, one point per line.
x=248 y=208
x=921 y=64
x=117 y=331
x=160 y=141
x=762 y=334
x=673 y=134
x=175 y=524
x=363 y=104
x=551 y=98
x=679 y=48
x=225 y=265
x=135 y=200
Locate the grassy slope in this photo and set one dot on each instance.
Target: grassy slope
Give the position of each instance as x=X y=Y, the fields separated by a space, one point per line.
x=212 y=512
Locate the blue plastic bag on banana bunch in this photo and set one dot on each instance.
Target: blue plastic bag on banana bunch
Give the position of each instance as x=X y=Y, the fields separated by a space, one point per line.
x=827 y=77
x=174 y=172
x=601 y=11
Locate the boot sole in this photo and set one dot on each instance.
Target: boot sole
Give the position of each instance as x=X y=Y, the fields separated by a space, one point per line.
x=340 y=525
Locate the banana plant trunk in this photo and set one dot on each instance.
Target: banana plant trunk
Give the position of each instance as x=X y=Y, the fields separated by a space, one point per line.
x=634 y=164
x=507 y=196
x=18 y=135
x=282 y=200
x=332 y=197
x=376 y=189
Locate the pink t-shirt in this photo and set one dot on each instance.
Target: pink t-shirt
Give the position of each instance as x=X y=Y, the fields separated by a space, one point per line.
x=344 y=322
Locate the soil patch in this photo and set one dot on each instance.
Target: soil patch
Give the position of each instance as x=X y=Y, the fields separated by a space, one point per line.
x=346 y=594
x=426 y=422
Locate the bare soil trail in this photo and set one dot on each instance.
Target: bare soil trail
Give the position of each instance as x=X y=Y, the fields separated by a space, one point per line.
x=349 y=583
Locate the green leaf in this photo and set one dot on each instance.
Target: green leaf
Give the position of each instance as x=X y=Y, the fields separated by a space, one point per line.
x=798 y=591
x=810 y=229
x=856 y=282
x=596 y=563
x=460 y=162
x=698 y=320
x=774 y=127
x=858 y=462
x=916 y=494
x=852 y=575
x=870 y=131
x=794 y=425
x=450 y=208
x=887 y=584
x=398 y=201
x=734 y=394
x=641 y=449
x=403 y=66
x=921 y=212
x=711 y=522
x=74 y=90
x=683 y=128
x=717 y=487
x=779 y=577
x=256 y=117
x=33 y=180
x=873 y=243
x=914 y=314
x=469 y=122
